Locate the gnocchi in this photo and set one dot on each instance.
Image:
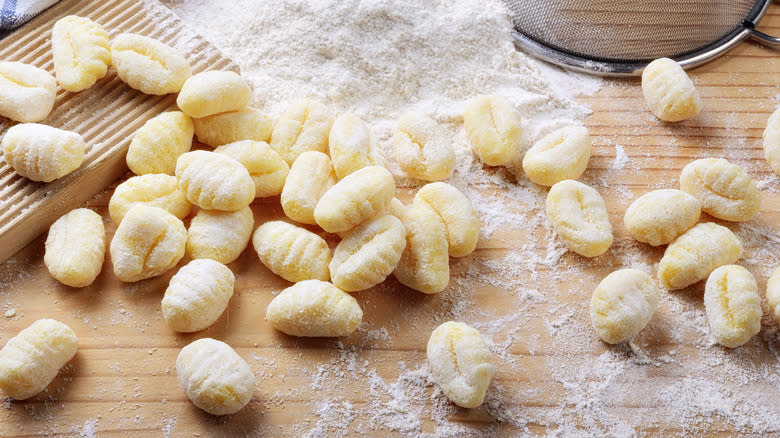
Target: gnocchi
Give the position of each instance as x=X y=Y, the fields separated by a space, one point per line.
x=771 y=143
x=314 y=308
x=560 y=155
x=197 y=295
x=368 y=253
x=291 y=252
x=214 y=377
x=424 y=264
x=461 y=363
x=669 y=93
x=733 y=305
x=304 y=126
x=214 y=181
x=658 y=217
x=27 y=92
x=351 y=145
x=622 y=305
x=219 y=235
x=311 y=175
x=422 y=151
x=233 y=126
x=81 y=52
x=579 y=216
x=773 y=293
x=267 y=169
x=692 y=256
x=148 y=242
x=724 y=190
x=148 y=65
x=494 y=129
x=456 y=212
x=213 y=92
x=156 y=190
x=42 y=153
x=157 y=144
x=354 y=199
x=30 y=360
x=76 y=247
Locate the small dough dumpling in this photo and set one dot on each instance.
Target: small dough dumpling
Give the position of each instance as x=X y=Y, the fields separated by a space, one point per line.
x=220 y=235
x=310 y=177
x=725 y=190
x=773 y=293
x=213 y=92
x=579 y=215
x=424 y=264
x=622 y=305
x=733 y=305
x=304 y=126
x=494 y=129
x=229 y=127
x=669 y=92
x=76 y=248
x=560 y=155
x=291 y=252
x=351 y=145
x=27 y=92
x=455 y=210
x=197 y=295
x=314 y=308
x=149 y=65
x=41 y=152
x=153 y=189
x=772 y=141
x=159 y=142
x=423 y=151
x=359 y=196
x=81 y=52
x=267 y=169
x=214 y=181
x=658 y=217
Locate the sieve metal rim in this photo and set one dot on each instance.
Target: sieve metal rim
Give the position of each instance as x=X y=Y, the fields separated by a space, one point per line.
x=626 y=68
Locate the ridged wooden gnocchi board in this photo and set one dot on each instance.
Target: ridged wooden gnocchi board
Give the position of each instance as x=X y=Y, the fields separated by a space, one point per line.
x=106 y=115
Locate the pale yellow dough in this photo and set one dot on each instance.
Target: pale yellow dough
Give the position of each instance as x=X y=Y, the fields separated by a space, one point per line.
x=424 y=265
x=197 y=295
x=724 y=189
x=494 y=129
x=733 y=305
x=456 y=212
x=314 y=308
x=267 y=169
x=622 y=305
x=159 y=142
x=81 y=52
x=229 y=127
x=292 y=252
x=219 y=235
x=669 y=92
x=357 y=197
x=214 y=181
x=148 y=65
x=579 y=216
x=27 y=93
x=213 y=92
x=41 y=152
x=311 y=175
x=76 y=248
x=658 y=217
x=304 y=126
x=155 y=190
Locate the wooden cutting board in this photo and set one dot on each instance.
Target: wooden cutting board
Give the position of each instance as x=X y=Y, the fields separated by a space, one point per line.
x=526 y=295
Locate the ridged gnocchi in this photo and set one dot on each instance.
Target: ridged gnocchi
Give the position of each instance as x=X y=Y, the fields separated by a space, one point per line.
x=213 y=92
x=27 y=92
x=580 y=218
x=424 y=264
x=81 y=52
x=30 y=360
x=460 y=362
x=724 y=190
x=148 y=242
x=42 y=153
x=148 y=65
x=773 y=293
x=197 y=295
x=771 y=142
x=266 y=168
x=76 y=247
x=291 y=252
x=560 y=155
x=351 y=145
x=157 y=144
x=314 y=308
x=696 y=253
x=357 y=197
x=733 y=305
x=368 y=253
x=658 y=217
x=214 y=377
x=304 y=126
x=214 y=181
x=669 y=93
x=311 y=175
x=155 y=190
x=622 y=305
x=219 y=235
x=456 y=212
x=229 y=127
x=494 y=129
x=421 y=149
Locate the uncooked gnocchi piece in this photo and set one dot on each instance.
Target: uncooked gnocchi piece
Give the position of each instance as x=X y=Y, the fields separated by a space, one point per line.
x=669 y=92
x=213 y=92
x=457 y=213
x=658 y=217
x=580 y=218
x=773 y=293
x=214 y=181
x=314 y=308
x=724 y=190
x=424 y=265
x=351 y=145
x=219 y=235
x=560 y=155
x=693 y=255
x=229 y=127
x=494 y=129
x=159 y=142
x=148 y=65
x=42 y=153
x=733 y=305
x=197 y=295
x=357 y=197
x=311 y=175
x=76 y=248
x=368 y=253
x=422 y=150
x=304 y=126
x=291 y=252
x=772 y=141
x=214 y=377
x=30 y=360
x=155 y=190
x=461 y=363
x=148 y=242
x=81 y=52
x=27 y=92
x=267 y=169
x=622 y=305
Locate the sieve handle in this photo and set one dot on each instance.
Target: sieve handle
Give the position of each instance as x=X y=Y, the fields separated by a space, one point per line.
x=764 y=38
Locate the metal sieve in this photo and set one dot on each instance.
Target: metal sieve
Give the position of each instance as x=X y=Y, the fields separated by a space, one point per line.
x=619 y=38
